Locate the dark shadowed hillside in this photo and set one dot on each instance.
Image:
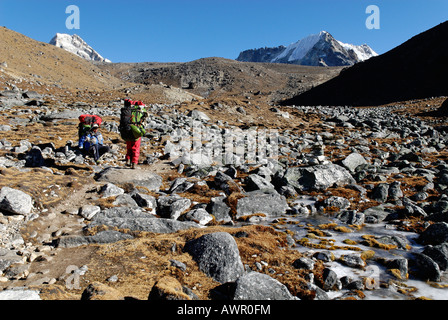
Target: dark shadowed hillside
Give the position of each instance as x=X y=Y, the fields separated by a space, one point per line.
x=416 y=69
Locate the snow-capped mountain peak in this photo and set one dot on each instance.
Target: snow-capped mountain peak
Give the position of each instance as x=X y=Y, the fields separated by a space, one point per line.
x=299 y=49
x=76 y=45
x=363 y=52
x=315 y=50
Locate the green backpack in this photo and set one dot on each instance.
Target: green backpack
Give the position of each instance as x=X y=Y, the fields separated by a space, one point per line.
x=131 y=122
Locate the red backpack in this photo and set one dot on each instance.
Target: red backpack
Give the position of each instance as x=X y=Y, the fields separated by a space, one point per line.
x=86 y=121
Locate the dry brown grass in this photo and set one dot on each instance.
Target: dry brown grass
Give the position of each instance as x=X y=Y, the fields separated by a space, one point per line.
x=141 y=262
x=26 y=57
x=46 y=189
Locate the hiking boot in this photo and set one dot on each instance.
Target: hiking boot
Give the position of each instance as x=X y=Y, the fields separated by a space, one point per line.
x=133 y=166
x=128 y=162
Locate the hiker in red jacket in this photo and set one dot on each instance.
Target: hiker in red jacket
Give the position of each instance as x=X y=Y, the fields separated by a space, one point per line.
x=132 y=129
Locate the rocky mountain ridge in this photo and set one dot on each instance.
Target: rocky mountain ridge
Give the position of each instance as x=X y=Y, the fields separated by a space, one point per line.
x=220 y=78
x=315 y=50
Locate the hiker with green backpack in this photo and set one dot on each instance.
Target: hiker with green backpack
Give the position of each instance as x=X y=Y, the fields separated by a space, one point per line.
x=132 y=129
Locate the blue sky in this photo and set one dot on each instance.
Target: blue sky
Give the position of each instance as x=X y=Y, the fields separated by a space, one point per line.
x=185 y=30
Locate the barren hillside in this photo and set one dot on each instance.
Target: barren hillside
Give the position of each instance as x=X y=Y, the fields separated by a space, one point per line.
x=25 y=58
x=217 y=77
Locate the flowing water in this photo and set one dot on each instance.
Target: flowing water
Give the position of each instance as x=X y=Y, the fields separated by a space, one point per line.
x=385 y=285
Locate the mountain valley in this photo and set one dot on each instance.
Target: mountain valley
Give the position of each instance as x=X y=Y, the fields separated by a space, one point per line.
x=351 y=188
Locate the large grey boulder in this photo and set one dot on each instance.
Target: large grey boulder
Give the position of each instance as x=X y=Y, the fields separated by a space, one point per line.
x=256 y=182
x=259 y=286
x=34 y=158
x=8 y=102
x=427 y=268
x=217 y=255
x=137 y=220
x=89 y=211
x=219 y=209
x=380 y=192
x=198 y=115
x=15 y=201
x=199 y=215
x=272 y=204
x=108 y=236
x=63 y=115
x=226 y=183
x=142 y=178
x=439 y=254
x=171 y=207
x=352 y=161
x=319 y=177
x=435 y=234
x=110 y=190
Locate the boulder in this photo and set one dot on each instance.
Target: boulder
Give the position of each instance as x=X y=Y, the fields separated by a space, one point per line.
x=259 y=286
x=171 y=207
x=34 y=158
x=336 y=202
x=15 y=201
x=219 y=209
x=142 y=178
x=380 y=192
x=31 y=95
x=63 y=115
x=180 y=185
x=319 y=177
x=439 y=254
x=352 y=161
x=304 y=263
x=352 y=260
x=110 y=190
x=226 y=183
x=395 y=191
x=271 y=204
x=136 y=220
x=198 y=115
x=443 y=109
x=145 y=200
x=413 y=209
x=427 y=268
x=330 y=279
x=435 y=234
x=199 y=215
x=89 y=211
x=108 y=236
x=217 y=255
x=256 y=182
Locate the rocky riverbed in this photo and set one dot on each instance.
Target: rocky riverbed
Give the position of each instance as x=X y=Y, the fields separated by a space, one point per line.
x=336 y=203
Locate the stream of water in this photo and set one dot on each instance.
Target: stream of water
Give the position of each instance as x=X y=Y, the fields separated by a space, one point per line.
x=396 y=289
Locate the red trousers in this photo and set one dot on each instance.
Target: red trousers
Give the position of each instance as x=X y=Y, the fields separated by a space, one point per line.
x=133 y=150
